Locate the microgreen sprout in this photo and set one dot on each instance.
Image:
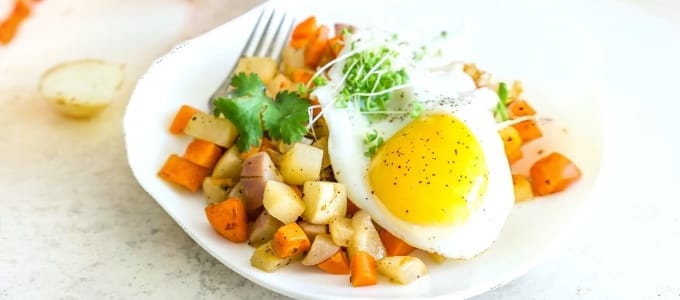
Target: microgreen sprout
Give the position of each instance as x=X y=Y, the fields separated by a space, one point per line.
x=370 y=77
x=416 y=110
x=319 y=81
x=373 y=140
x=501 y=111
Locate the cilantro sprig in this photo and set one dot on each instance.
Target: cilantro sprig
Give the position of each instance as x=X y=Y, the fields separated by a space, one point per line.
x=252 y=112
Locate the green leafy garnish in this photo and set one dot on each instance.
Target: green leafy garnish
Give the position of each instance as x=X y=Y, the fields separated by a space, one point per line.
x=373 y=141
x=444 y=33
x=319 y=81
x=501 y=107
x=369 y=76
x=417 y=110
x=285 y=118
x=249 y=108
x=302 y=89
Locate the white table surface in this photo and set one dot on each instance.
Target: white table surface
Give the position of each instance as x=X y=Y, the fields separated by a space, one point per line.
x=74 y=224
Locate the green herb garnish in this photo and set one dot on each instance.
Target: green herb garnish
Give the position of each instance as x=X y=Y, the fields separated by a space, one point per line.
x=416 y=110
x=369 y=78
x=319 y=81
x=252 y=112
x=373 y=141
x=501 y=108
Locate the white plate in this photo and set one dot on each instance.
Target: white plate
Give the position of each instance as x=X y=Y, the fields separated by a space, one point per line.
x=522 y=40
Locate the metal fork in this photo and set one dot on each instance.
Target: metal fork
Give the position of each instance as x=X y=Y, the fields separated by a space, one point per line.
x=267 y=39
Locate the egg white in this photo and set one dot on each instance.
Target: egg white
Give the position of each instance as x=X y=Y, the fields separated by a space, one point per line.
x=448 y=92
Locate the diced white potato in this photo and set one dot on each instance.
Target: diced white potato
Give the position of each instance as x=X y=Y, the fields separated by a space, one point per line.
x=278 y=84
x=366 y=237
x=216 y=189
x=323 y=200
x=281 y=201
x=229 y=165
x=322 y=249
x=312 y=230
x=264 y=259
x=300 y=164
x=401 y=269
x=283 y=147
x=322 y=144
x=341 y=230
x=81 y=88
x=263 y=229
x=292 y=59
x=213 y=129
x=264 y=67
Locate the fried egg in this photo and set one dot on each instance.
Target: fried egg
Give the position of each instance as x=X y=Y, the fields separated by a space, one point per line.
x=440 y=181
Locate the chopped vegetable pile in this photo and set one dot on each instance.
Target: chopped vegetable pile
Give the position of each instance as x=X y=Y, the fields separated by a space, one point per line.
x=268 y=181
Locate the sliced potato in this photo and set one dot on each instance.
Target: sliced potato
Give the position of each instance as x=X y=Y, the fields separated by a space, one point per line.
x=281 y=201
x=229 y=165
x=213 y=129
x=312 y=230
x=263 y=229
x=300 y=164
x=264 y=259
x=401 y=269
x=341 y=230
x=322 y=249
x=323 y=200
x=216 y=189
x=264 y=67
x=81 y=88
x=365 y=237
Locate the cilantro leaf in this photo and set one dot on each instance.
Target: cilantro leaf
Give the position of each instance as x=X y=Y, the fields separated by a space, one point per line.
x=244 y=107
x=249 y=108
x=247 y=85
x=285 y=118
x=245 y=113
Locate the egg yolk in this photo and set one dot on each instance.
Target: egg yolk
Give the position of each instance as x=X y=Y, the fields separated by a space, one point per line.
x=431 y=172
